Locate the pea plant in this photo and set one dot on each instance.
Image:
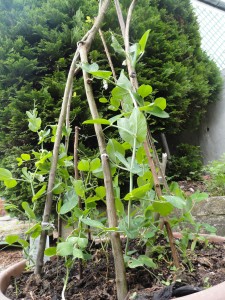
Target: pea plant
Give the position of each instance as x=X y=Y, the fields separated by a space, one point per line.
x=129 y=159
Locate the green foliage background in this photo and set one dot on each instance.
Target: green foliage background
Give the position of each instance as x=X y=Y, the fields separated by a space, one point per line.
x=37 y=42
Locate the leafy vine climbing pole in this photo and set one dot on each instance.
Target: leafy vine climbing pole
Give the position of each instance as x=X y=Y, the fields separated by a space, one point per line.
x=66 y=101
x=132 y=132
x=148 y=143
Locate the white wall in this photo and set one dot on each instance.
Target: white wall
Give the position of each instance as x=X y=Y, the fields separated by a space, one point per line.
x=211 y=135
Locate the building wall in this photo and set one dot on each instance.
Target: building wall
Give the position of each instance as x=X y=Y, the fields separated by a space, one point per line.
x=211 y=135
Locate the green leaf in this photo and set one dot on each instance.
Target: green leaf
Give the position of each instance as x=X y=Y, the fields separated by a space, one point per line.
x=98 y=121
x=119 y=206
x=176 y=190
x=23 y=243
x=175 y=201
x=79 y=188
x=34 y=124
x=147 y=261
x=117 y=47
x=10 y=206
x=123 y=160
x=133 y=128
x=5 y=174
x=70 y=200
x=51 y=251
x=134 y=52
x=103 y=100
x=35 y=228
x=198 y=196
x=11 y=239
x=125 y=130
x=123 y=82
x=25 y=156
x=64 y=249
x=155 y=111
x=160 y=102
x=92 y=223
x=163 y=208
x=138 y=193
x=134 y=263
x=114 y=147
x=29 y=212
x=84 y=165
x=100 y=192
x=77 y=253
x=144 y=90
x=11 y=183
x=141 y=156
x=20 y=161
x=90 y=68
x=95 y=164
x=102 y=74
x=143 y=40
x=82 y=242
x=92 y=199
x=39 y=193
x=138 y=125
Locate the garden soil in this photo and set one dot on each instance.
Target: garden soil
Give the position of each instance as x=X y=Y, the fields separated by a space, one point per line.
x=202 y=268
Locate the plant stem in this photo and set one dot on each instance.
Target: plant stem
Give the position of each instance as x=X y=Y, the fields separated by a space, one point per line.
x=76 y=176
x=131 y=188
x=110 y=200
x=65 y=283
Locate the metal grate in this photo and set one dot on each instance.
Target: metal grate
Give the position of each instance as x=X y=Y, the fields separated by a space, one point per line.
x=212 y=29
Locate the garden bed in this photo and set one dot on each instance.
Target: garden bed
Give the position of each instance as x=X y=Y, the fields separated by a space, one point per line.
x=203 y=268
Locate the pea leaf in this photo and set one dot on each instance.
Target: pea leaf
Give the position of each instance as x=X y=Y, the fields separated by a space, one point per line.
x=144 y=90
x=77 y=253
x=98 y=121
x=101 y=74
x=51 y=251
x=163 y=208
x=89 y=68
x=143 y=40
x=39 y=193
x=95 y=164
x=11 y=239
x=29 y=212
x=92 y=223
x=160 y=102
x=11 y=183
x=147 y=261
x=117 y=47
x=64 y=248
x=175 y=201
x=70 y=200
x=84 y=165
x=5 y=174
x=138 y=192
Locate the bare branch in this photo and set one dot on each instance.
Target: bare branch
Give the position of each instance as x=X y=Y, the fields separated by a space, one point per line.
x=107 y=54
x=120 y=17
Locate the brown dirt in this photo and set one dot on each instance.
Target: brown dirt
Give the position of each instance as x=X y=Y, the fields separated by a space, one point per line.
x=9 y=257
x=203 y=268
